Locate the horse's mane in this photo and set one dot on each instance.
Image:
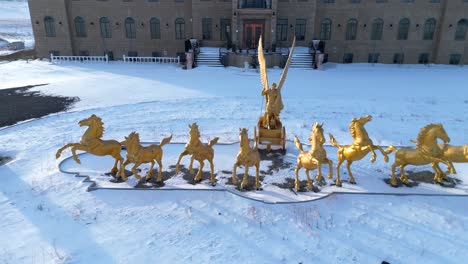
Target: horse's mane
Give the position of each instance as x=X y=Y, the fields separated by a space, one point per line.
x=423 y=132
x=245 y=132
x=352 y=129
x=100 y=127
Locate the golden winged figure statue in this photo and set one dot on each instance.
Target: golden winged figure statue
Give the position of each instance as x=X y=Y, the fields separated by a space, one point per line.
x=274 y=103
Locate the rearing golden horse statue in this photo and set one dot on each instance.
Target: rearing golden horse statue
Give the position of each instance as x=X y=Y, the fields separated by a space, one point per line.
x=199 y=152
x=137 y=155
x=314 y=158
x=360 y=147
x=427 y=151
x=247 y=157
x=91 y=142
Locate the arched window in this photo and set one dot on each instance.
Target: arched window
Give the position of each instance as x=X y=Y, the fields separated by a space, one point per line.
x=180 y=28
x=462 y=26
x=105 y=27
x=429 y=29
x=325 y=29
x=351 y=29
x=49 y=25
x=155 y=28
x=130 y=28
x=377 y=29
x=80 y=27
x=403 y=29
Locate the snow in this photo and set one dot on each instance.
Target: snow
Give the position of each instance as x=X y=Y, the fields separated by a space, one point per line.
x=48 y=217
x=15 y=22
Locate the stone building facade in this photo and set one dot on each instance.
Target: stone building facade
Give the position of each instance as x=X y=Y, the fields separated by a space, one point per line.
x=384 y=31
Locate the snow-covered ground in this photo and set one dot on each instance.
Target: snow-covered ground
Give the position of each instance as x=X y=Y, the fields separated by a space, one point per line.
x=48 y=217
x=15 y=22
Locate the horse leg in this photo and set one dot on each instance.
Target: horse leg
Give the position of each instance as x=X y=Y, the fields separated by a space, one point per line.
x=135 y=173
x=403 y=177
x=198 y=177
x=234 y=173
x=393 y=180
x=319 y=178
x=184 y=153
x=257 y=176
x=330 y=169
x=121 y=172
x=296 y=171
x=159 y=179
x=382 y=151
x=374 y=156
x=150 y=172
x=309 y=182
x=75 y=148
x=245 y=180
x=191 y=165
x=338 y=180
x=439 y=175
x=59 y=152
x=351 y=178
x=212 y=178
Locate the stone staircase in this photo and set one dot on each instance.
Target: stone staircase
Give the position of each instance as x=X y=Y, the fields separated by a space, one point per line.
x=302 y=60
x=208 y=57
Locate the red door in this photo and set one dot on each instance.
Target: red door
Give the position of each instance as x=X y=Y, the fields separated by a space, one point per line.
x=252 y=32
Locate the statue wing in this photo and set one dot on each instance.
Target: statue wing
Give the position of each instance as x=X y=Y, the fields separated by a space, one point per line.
x=262 y=63
x=285 y=71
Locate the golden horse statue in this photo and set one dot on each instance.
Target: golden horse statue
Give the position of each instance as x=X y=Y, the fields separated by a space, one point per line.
x=427 y=151
x=91 y=142
x=457 y=154
x=247 y=157
x=199 y=152
x=360 y=147
x=137 y=155
x=314 y=158
x=274 y=102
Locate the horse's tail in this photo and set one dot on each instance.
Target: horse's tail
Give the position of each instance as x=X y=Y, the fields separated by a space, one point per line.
x=391 y=149
x=213 y=141
x=298 y=144
x=334 y=142
x=165 y=141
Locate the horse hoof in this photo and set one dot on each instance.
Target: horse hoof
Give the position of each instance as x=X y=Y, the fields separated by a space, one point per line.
x=338 y=184
x=352 y=181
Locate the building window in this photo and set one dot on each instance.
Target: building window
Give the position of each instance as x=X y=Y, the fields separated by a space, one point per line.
x=105 y=27
x=84 y=53
x=80 y=27
x=132 y=54
x=373 y=57
x=281 y=29
x=398 y=58
x=351 y=29
x=225 y=30
x=462 y=26
x=156 y=54
x=377 y=29
x=180 y=28
x=300 y=28
x=49 y=25
x=155 y=28
x=455 y=59
x=54 y=53
x=429 y=29
x=423 y=58
x=207 y=27
x=348 y=58
x=403 y=29
x=325 y=29
x=130 y=28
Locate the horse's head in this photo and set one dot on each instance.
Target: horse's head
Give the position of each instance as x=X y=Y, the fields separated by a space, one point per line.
x=194 y=132
x=317 y=133
x=441 y=133
x=244 y=136
x=362 y=120
x=131 y=140
x=431 y=132
x=273 y=86
x=90 y=121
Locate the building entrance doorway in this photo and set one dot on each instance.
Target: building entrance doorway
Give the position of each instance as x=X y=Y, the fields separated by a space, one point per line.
x=253 y=29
